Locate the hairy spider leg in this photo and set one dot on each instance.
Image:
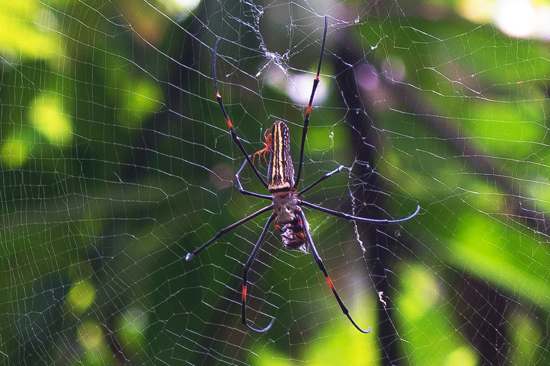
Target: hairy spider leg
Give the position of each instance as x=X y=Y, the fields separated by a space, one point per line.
x=248 y=193
x=228 y=120
x=308 y=110
x=319 y=262
x=324 y=177
x=356 y=218
x=247 y=266
x=225 y=230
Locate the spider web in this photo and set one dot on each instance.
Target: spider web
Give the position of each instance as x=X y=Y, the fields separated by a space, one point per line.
x=117 y=162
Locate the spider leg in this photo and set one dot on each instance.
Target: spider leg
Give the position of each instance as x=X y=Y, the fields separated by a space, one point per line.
x=324 y=177
x=308 y=111
x=324 y=270
x=243 y=191
x=356 y=218
x=247 y=266
x=225 y=230
x=228 y=120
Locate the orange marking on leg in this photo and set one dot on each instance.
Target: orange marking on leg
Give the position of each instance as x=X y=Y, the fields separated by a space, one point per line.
x=244 y=292
x=330 y=283
x=308 y=109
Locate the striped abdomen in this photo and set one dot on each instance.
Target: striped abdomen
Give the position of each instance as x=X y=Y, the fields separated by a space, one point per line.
x=280 y=173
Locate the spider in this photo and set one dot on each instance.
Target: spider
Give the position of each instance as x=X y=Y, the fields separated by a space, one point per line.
x=286 y=211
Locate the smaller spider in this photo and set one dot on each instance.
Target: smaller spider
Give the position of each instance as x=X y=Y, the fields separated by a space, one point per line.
x=286 y=211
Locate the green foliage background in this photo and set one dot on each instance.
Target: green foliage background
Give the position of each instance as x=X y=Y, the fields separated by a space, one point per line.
x=116 y=162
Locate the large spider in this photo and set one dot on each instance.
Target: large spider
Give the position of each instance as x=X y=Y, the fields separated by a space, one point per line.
x=286 y=204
